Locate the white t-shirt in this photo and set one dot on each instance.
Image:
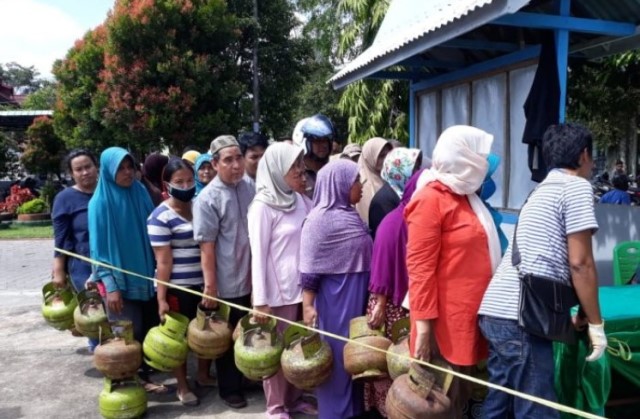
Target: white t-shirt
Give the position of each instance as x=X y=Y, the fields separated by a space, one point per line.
x=274 y=236
x=562 y=205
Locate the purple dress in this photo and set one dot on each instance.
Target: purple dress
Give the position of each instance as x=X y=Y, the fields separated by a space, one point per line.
x=340 y=298
x=335 y=261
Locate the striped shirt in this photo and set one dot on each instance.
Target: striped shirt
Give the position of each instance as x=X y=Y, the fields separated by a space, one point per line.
x=167 y=228
x=562 y=205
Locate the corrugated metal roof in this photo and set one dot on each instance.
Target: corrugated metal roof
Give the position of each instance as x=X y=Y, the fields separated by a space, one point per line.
x=26 y=113
x=408 y=21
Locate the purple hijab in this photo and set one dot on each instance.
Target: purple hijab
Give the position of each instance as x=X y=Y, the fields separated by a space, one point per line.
x=389 y=261
x=334 y=239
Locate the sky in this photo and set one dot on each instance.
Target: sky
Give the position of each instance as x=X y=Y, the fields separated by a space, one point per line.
x=37 y=32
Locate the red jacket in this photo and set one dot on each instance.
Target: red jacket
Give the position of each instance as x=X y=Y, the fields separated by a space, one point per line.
x=449 y=270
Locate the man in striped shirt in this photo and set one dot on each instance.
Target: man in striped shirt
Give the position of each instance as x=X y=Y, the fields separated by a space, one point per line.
x=554 y=239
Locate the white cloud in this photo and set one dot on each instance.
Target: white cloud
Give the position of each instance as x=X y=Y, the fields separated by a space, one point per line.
x=33 y=33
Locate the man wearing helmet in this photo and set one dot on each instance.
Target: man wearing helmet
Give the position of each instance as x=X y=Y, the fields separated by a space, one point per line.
x=315 y=135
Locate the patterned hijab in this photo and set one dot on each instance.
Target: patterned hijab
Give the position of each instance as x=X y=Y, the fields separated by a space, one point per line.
x=398 y=168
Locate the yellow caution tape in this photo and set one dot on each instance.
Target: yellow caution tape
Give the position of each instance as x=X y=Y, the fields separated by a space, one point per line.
x=539 y=400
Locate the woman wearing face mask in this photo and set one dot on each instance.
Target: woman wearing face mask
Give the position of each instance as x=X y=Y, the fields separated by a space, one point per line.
x=118 y=213
x=204 y=171
x=275 y=223
x=452 y=250
x=178 y=260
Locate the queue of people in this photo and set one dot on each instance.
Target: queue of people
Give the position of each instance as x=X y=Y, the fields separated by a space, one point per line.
x=284 y=230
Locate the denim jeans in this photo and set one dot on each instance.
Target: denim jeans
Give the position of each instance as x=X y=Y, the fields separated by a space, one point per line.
x=519 y=361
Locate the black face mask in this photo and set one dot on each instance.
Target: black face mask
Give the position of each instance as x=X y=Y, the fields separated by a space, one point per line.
x=184 y=195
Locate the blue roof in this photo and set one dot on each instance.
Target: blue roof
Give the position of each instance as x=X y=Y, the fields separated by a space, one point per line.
x=412 y=26
x=428 y=38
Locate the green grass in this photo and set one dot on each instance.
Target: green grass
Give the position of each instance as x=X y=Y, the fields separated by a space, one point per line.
x=26 y=232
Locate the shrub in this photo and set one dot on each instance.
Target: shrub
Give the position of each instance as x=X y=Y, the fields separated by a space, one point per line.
x=17 y=197
x=48 y=192
x=35 y=206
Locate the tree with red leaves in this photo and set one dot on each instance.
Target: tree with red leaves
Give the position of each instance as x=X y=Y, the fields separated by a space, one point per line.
x=44 y=150
x=178 y=72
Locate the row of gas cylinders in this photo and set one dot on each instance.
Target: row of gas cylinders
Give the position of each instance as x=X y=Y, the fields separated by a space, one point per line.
x=259 y=352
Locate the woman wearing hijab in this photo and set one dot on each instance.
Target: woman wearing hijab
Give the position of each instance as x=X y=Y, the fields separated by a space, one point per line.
x=388 y=284
x=152 y=176
x=370 y=163
x=118 y=236
x=275 y=222
x=190 y=157
x=485 y=193
x=398 y=167
x=204 y=171
x=335 y=261
x=452 y=251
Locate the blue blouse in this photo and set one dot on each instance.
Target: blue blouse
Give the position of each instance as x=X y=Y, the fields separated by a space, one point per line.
x=71 y=232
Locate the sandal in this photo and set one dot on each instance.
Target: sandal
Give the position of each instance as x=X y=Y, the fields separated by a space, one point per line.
x=154 y=388
x=188 y=399
x=304 y=407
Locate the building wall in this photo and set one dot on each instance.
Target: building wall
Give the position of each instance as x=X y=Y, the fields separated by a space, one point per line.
x=493 y=103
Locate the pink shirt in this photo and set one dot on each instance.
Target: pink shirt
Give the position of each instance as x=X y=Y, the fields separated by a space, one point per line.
x=274 y=237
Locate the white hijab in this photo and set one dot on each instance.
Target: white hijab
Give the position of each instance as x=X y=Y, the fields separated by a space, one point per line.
x=459 y=161
x=271 y=187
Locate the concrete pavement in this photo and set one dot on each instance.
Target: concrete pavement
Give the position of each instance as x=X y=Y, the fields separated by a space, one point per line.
x=45 y=373
x=25 y=266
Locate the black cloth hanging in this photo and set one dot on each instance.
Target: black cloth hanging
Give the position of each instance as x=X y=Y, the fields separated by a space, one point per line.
x=542 y=107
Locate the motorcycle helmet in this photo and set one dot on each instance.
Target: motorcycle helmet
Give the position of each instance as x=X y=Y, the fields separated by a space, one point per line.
x=310 y=129
x=298 y=136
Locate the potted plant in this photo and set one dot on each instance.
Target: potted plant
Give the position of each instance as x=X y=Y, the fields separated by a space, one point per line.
x=34 y=210
x=17 y=197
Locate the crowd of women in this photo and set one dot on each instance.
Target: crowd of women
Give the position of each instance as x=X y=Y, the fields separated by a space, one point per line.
x=307 y=237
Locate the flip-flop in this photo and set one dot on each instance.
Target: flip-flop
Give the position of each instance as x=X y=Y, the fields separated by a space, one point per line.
x=154 y=388
x=188 y=399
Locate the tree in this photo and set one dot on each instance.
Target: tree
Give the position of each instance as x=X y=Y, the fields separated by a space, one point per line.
x=282 y=60
x=41 y=99
x=8 y=155
x=178 y=72
x=44 y=150
x=374 y=108
x=316 y=96
x=14 y=75
x=604 y=95
x=78 y=109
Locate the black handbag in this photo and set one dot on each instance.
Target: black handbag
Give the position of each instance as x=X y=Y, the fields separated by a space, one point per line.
x=545 y=304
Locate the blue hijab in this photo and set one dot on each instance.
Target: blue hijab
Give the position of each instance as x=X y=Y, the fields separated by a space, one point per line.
x=204 y=158
x=487 y=190
x=118 y=230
